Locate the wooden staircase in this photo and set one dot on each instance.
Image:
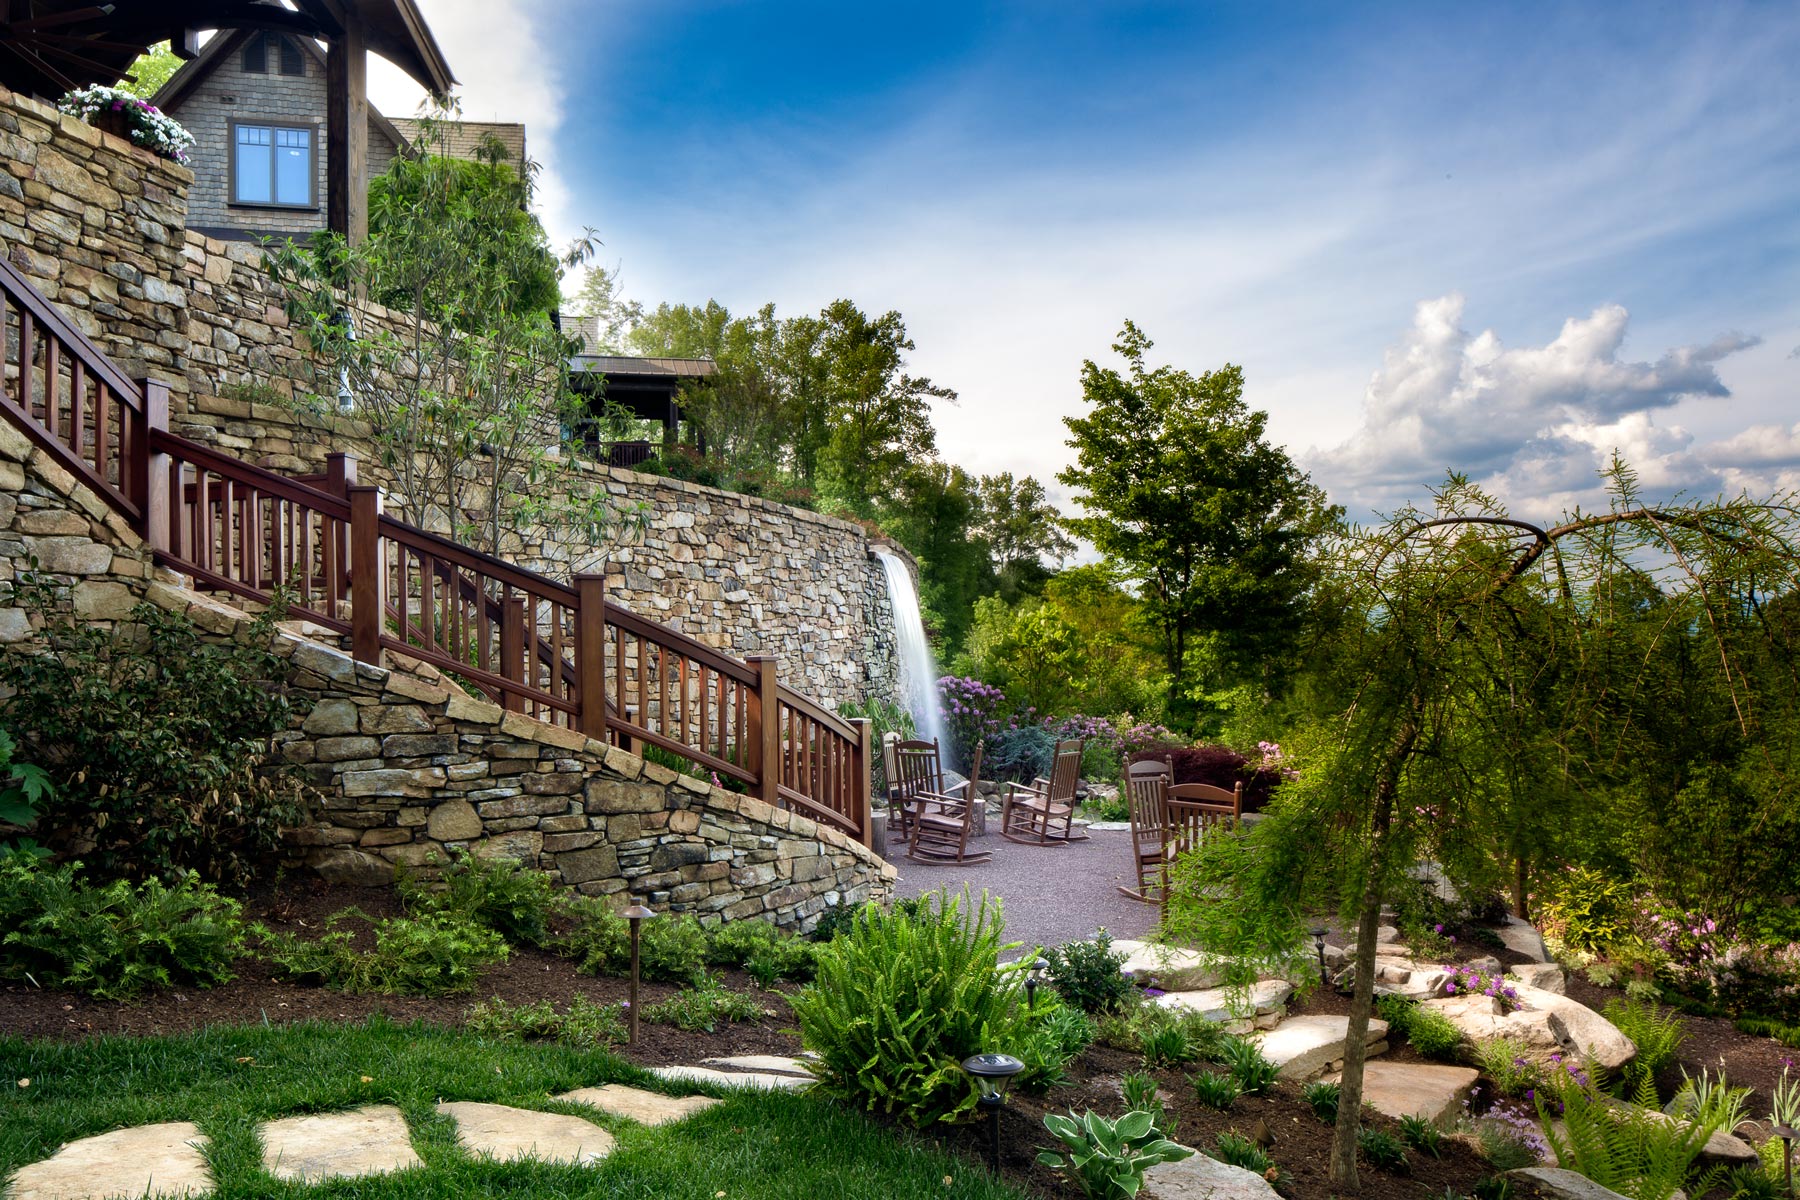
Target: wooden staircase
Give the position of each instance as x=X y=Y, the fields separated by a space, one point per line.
x=558 y=653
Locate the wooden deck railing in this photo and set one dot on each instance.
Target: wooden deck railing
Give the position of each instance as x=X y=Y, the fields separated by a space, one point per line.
x=559 y=653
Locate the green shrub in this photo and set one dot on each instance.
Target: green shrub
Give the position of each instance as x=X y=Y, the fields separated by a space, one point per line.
x=584 y=1023
x=1240 y=1151
x=835 y=920
x=1086 y=973
x=1422 y=1134
x=115 y=940
x=24 y=790
x=1022 y=753
x=499 y=894
x=1764 y=1027
x=703 y=1006
x=1383 y=1150
x=899 y=1002
x=1658 y=1036
x=1254 y=1073
x=1322 y=1098
x=157 y=742
x=1217 y=1090
x=1397 y=1011
x=1107 y=1159
x=1588 y=910
x=1142 y=1095
x=1166 y=1046
x=1433 y=1034
x=413 y=956
x=1508 y=1062
x=671 y=948
x=766 y=954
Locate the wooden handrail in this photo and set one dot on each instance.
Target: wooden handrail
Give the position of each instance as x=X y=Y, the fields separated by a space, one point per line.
x=563 y=654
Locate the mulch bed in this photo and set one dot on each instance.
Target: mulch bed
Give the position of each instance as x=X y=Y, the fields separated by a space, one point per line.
x=1301 y=1145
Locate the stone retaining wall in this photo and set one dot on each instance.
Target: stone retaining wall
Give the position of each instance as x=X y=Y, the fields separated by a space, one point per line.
x=101 y=228
x=407 y=767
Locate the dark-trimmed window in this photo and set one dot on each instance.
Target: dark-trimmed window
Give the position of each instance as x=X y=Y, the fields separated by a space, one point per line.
x=262 y=49
x=273 y=164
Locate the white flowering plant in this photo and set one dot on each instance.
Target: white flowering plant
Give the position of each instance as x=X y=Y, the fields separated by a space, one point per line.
x=145 y=124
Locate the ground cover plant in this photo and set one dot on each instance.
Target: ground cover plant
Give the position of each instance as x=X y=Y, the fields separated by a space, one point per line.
x=430 y=955
x=752 y=1146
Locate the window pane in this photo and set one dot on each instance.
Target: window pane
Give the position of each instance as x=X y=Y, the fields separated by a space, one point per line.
x=293 y=166
x=253 y=170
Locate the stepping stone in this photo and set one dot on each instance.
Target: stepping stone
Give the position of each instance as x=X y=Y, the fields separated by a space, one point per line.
x=365 y=1141
x=1173 y=968
x=1567 y=1185
x=1546 y=976
x=1404 y=1089
x=502 y=1132
x=635 y=1104
x=163 y=1160
x=1304 y=1047
x=1521 y=937
x=1199 y=1177
x=1400 y=976
x=744 y=1079
x=776 y=1063
x=1228 y=1005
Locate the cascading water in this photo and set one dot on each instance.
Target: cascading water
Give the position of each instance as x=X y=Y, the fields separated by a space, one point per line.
x=918 y=671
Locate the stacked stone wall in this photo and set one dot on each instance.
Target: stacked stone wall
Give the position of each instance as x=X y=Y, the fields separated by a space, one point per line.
x=101 y=228
x=406 y=767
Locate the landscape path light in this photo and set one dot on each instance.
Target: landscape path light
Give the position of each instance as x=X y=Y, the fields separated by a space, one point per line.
x=1318 y=937
x=1032 y=979
x=993 y=1072
x=635 y=914
x=1787 y=1134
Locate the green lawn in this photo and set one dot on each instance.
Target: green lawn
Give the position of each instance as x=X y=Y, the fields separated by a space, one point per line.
x=227 y=1080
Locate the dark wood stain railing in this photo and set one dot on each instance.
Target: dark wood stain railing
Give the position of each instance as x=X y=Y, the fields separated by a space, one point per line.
x=559 y=653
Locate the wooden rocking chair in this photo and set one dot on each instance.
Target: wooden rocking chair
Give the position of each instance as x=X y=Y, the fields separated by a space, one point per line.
x=1146 y=788
x=1032 y=812
x=919 y=792
x=1198 y=810
x=941 y=829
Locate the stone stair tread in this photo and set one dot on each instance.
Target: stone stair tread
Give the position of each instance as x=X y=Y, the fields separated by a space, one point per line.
x=636 y=1104
x=778 y=1064
x=165 y=1159
x=502 y=1132
x=746 y=1079
x=1410 y=1089
x=1226 y=1005
x=364 y=1141
x=1306 y=1045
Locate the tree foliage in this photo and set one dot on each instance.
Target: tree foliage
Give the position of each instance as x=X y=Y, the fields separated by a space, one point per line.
x=150 y=70
x=1210 y=521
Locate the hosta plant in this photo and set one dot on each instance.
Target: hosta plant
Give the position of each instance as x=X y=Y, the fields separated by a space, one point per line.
x=1107 y=1159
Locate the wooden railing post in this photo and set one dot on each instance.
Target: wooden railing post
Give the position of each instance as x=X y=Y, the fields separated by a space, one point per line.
x=366 y=607
x=150 y=470
x=860 y=805
x=590 y=653
x=340 y=473
x=512 y=649
x=765 y=728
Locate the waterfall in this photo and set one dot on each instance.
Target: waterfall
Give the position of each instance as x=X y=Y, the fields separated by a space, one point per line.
x=918 y=692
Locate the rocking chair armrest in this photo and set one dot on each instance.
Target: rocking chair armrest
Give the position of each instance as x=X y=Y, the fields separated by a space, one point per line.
x=1037 y=790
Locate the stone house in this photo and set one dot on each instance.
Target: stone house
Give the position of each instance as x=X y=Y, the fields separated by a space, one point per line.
x=255 y=101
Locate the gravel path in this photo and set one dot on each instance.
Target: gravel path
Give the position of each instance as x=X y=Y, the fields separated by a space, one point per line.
x=1051 y=894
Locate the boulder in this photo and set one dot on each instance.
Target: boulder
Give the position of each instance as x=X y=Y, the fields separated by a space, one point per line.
x=1173 y=968
x=1482 y=1018
x=1567 y=1185
x=1521 y=937
x=1199 y=1177
x=1226 y=1005
x=1304 y=1047
x=1590 y=1034
x=1545 y=976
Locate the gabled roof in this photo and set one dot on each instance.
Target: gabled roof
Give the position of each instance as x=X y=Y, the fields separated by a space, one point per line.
x=671 y=368
x=50 y=46
x=195 y=71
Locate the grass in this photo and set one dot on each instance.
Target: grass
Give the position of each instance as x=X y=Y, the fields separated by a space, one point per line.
x=227 y=1080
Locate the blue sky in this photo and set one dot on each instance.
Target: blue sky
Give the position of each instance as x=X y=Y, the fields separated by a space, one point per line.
x=1434 y=236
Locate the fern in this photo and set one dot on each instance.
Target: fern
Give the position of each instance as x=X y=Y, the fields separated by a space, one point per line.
x=1629 y=1148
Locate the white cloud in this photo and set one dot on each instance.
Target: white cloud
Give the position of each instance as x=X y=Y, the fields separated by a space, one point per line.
x=1534 y=424
x=500 y=53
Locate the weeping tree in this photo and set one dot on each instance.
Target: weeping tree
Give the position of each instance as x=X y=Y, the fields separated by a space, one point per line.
x=1485 y=694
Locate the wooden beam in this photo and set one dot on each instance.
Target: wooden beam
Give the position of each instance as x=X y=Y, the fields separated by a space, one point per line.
x=347 y=133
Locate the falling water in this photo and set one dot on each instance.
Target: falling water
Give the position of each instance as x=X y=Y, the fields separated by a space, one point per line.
x=918 y=672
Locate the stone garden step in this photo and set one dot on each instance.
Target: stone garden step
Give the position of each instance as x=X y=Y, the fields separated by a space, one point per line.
x=166 y=1159
x=636 y=1104
x=1408 y=1089
x=779 y=1064
x=1521 y=937
x=502 y=1132
x=1173 y=969
x=1239 y=1012
x=745 y=1079
x=1567 y=1185
x=365 y=1141
x=1307 y=1046
x=1199 y=1177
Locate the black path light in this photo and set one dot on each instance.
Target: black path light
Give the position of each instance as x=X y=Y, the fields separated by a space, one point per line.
x=1032 y=980
x=993 y=1072
x=1787 y=1134
x=1318 y=937
x=635 y=914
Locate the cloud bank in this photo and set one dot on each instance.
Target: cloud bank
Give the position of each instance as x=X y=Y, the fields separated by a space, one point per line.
x=1536 y=424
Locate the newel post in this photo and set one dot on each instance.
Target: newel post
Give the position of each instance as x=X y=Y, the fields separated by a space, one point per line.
x=765 y=728
x=512 y=650
x=590 y=653
x=367 y=609
x=859 y=779
x=149 y=469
